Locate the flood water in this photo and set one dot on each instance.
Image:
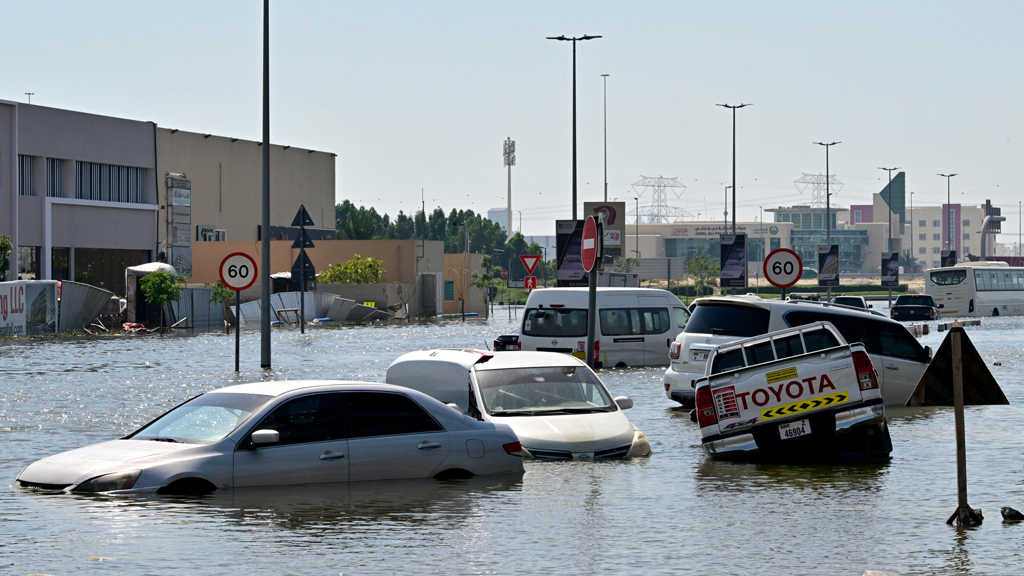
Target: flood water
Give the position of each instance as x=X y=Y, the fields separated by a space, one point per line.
x=676 y=512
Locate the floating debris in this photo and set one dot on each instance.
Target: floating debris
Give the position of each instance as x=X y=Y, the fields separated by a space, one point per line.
x=1011 y=515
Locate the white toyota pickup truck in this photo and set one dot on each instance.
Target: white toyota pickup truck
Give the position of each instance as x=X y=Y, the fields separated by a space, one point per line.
x=800 y=393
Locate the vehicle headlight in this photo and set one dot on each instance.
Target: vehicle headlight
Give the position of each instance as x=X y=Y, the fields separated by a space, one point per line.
x=109 y=482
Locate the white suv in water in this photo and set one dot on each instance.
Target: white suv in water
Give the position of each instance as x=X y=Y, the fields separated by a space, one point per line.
x=899 y=359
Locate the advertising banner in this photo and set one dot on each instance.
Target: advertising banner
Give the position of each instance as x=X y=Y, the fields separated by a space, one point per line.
x=614 y=215
x=828 y=265
x=569 y=243
x=28 y=307
x=948 y=258
x=733 y=262
x=890 y=269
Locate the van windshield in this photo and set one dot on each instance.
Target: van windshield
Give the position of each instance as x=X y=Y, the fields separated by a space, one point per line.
x=555 y=322
x=728 y=320
x=542 y=391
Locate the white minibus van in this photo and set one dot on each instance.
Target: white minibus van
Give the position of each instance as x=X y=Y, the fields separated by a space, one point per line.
x=635 y=326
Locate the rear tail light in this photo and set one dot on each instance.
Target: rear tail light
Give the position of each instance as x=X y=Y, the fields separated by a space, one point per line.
x=865 y=371
x=970 y=306
x=933 y=313
x=667 y=387
x=892 y=313
x=513 y=449
x=673 y=350
x=519 y=344
x=705 y=408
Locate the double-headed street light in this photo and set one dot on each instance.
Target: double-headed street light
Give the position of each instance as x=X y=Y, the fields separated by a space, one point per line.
x=733 y=108
x=828 y=194
x=574 y=41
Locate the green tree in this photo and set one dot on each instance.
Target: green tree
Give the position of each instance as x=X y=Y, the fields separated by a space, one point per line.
x=704 y=271
x=624 y=264
x=159 y=288
x=6 y=247
x=358 y=270
x=488 y=278
x=219 y=293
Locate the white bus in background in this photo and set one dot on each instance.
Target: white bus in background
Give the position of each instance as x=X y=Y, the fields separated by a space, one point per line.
x=977 y=289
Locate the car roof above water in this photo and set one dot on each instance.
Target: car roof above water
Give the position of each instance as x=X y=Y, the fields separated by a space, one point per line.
x=486 y=360
x=279 y=387
x=580 y=296
x=785 y=306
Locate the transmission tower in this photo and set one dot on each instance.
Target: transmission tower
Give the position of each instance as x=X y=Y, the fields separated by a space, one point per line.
x=816 y=182
x=659 y=211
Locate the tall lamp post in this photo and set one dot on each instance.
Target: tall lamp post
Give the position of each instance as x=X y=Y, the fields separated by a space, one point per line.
x=637 y=236
x=912 y=257
x=605 y=79
x=949 y=211
x=828 y=211
x=563 y=38
x=265 y=227
x=733 y=108
x=725 y=214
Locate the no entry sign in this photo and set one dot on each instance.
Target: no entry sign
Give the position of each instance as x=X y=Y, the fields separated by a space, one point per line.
x=783 y=268
x=588 y=248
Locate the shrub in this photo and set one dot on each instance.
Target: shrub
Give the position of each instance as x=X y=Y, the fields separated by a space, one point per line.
x=358 y=270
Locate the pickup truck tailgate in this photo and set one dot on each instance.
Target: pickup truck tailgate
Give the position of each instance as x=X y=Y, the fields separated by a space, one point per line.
x=785 y=390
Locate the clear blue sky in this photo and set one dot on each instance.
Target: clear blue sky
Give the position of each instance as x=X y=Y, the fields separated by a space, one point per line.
x=422 y=94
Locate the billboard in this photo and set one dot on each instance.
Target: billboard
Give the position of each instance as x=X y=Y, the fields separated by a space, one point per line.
x=733 y=262
x=949 y=258
x=828 y=265
x=890 y=269
x=614 y=214
x=568 y=244
x=28 y=307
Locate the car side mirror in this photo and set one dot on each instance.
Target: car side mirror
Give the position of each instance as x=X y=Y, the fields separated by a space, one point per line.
x=265 y=437
x=942 y=305
x=871 y=305
x=928 y=352
x=624 y=402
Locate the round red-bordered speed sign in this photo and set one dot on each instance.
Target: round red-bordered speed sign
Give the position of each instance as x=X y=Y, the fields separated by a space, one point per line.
x=238 y=271
x=783 y=268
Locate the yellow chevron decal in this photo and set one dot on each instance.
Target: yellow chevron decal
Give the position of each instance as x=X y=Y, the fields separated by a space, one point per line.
x=805 y=405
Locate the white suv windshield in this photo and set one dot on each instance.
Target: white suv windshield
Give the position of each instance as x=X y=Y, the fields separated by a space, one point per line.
x=203 y=419
x=536 y=391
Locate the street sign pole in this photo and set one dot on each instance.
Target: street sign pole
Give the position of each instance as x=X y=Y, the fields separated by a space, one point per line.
x=302 y=220
x=590 y=254
x=238 y=271
x=238 y=324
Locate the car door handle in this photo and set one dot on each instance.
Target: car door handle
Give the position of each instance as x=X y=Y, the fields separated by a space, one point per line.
x=668 y=342
x=426 y=444
x=891 y=367
x=332 y=455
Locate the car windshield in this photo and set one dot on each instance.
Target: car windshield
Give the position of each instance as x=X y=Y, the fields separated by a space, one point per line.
x=728 y=320
x=203 y=419
x=542 y=391
x=914 y=301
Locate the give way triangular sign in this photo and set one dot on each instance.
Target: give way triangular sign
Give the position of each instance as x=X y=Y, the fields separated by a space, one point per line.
x=530 y=261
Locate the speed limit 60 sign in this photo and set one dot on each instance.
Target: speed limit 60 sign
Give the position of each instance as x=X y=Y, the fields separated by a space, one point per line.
x=238 y=271
x=783 y=268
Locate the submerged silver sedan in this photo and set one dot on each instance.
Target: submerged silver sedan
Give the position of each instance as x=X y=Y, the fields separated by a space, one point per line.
x=285 y=433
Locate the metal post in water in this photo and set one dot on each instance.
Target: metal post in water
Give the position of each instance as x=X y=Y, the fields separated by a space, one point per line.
x=592 y=299
x=238 y=323
x=265 y=228
x=964 y=515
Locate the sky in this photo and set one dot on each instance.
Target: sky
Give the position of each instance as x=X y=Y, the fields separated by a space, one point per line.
x=420 y=95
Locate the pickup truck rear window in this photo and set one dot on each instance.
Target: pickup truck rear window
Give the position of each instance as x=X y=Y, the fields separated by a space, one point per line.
x=728 y=320
x=789 y=346
x=915 y=301
x=555 y=322
x=727 y=361
x=879 y=336
x=819 y=340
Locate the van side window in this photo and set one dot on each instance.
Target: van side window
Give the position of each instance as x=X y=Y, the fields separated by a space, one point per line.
x=819 y=340
x=760 y=353
x=682 y=315
x=655 y=320
x=614 y=321
x=789 y=346
x=726 y=361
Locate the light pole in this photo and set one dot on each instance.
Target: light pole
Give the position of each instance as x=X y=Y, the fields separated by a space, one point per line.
x=912 y=257
x=510 y=161
x=265 y=217
x=563 y=38
x=605 y=77
x=520 y=222
x=637 y=236
x=949 y=210
x=828 y=215
x=30 y=95
x=889 y=203
x=733 y=108
x=725 y=214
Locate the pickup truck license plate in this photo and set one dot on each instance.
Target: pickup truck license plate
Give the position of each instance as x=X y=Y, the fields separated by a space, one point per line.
x=794 y=429
x=698 y=355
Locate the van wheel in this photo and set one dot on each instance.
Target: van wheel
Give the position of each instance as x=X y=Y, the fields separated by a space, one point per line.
x=187 y=487
x=995 y=311
x=453 y=474
x=621 y=365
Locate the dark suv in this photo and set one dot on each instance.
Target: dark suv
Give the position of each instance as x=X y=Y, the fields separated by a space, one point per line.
x=915 y=307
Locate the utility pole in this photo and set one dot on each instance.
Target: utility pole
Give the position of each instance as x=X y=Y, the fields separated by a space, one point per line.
x=605 y=76
x=574 y=41
x=948 y=215
x=733 y=108
x=725 y=214
x=265 y=227
x=828 y=215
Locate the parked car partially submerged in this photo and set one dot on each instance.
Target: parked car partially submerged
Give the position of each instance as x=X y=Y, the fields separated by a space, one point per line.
x=285 y=433
x=557 y=406
x=915 y=307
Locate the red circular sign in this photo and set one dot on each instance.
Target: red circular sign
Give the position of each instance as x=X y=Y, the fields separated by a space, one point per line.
x=588 y=248
x=238 y=271
x=783 y=268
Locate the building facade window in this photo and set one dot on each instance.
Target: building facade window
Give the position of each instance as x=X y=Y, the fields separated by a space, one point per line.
x=936 y=250
x=856 y=216
x=24 y=175
x=967 y=235
x=922 y=224
x=110 y=183
x=967 y=223
x=54 y=177
x=936 y=223
x=449 y=291
x=922 y=236
x=936 y=263
x=922 y=250
x=936 y=236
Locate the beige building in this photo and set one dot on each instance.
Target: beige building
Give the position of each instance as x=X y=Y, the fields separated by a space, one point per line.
x=458 y=284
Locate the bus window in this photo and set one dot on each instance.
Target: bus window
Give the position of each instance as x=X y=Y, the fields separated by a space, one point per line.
x=948 y=277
